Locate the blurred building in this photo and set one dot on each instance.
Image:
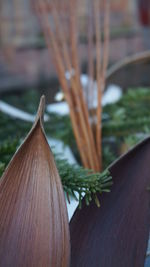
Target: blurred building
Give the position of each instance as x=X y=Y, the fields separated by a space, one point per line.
x=19 y=26
x=31 y=66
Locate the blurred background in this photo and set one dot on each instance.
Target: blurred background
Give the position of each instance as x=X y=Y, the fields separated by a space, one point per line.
x=27 y=71
x=24 y=60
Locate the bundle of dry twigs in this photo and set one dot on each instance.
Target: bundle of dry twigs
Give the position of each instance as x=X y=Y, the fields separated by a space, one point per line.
x=62 y=38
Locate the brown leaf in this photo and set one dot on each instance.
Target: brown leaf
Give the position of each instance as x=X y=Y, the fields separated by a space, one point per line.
x=116 y=234
x=34 y=228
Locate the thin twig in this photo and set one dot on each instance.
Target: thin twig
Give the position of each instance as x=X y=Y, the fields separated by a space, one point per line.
x=49 y=35
x=69 y=60
x=75 y=63
x=73 y=80
x=106 y=39
x=90 y=55
x=98 y=77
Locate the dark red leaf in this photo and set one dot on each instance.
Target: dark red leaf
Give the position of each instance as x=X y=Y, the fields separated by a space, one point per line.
x=116 y=234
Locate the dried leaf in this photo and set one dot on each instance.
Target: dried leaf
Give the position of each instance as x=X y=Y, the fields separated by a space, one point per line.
x=116 y=235
x=34 y=228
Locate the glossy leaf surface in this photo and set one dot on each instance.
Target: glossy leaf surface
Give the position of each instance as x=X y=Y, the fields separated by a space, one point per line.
x=34 y=229
x=116 y=234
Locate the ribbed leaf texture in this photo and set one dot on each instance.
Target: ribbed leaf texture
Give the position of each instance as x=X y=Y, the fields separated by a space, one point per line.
x=34 y=229
x=116 y=235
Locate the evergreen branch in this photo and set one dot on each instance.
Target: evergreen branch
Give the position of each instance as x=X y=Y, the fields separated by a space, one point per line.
x=75 y=179
x=130 y=115
x=125 y=122
x=83 y=181
x=126 y=128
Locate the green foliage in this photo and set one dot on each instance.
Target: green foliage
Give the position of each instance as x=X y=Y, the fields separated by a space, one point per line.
x=83 y=181
x=108 y=156
x=75 y=179
x=23 y=99
x=126 y=122
x=60 y=128
x=126 y=119
x=7 y=150
x=123 y=123
x=130 y=115
x=12 y=128
x=2 y=168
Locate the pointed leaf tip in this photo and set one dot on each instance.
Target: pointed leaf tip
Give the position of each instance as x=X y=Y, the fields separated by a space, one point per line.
x=34 y=227
x=41 y=109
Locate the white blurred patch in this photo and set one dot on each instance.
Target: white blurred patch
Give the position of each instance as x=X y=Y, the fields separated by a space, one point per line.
x=17 y=113
x=65 y=153
x=112 y=94
x=69 y=74
x=61 y=108
x=59 y=96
